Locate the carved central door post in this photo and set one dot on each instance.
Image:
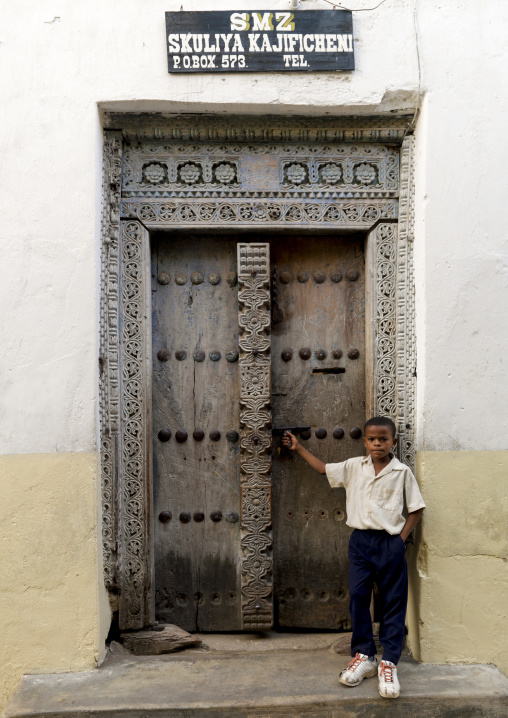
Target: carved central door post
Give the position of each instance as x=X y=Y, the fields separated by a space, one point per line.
x=255 y=419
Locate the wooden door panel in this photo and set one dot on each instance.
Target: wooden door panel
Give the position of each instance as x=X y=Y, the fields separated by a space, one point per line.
x=318 y=292
x=196 y=389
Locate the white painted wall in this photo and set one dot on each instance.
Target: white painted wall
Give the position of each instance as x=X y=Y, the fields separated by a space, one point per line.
x=461 y=234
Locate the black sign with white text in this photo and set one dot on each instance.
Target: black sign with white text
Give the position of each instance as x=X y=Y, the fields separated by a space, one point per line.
x=261 y=41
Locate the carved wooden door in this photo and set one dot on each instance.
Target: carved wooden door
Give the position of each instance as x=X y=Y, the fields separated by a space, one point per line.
x=318 y=380
x=223 y=359
x=211 y=435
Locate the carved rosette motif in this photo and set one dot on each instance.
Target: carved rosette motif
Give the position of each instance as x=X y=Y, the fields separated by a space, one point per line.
x=255 y=441
x=134 y=497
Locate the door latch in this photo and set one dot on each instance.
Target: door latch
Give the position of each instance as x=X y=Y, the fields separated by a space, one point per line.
x=303 y=431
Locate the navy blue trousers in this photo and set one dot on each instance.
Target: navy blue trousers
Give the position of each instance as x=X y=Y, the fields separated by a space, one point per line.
x=377 y=556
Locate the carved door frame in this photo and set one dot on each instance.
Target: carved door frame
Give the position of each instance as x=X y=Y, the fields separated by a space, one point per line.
x=143 y=191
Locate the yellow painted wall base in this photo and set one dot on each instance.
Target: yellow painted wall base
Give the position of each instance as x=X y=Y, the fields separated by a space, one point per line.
x=53 y=607
x=459 y=594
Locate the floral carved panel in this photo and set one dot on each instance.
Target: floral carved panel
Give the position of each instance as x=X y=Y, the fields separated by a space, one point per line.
x=255 y=442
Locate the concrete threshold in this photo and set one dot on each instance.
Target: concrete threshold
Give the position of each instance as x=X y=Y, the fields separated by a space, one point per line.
x=239 y=677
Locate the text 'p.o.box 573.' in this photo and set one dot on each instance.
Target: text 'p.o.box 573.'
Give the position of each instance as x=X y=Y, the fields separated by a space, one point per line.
x=262 y=41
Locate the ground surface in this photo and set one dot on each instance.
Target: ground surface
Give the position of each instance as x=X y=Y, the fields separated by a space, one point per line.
x=284 y=676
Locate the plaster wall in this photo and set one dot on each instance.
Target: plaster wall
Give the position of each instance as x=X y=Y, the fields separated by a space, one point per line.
x=51 y=594
x=66 y=62
x=460 y=581
x=461 y=255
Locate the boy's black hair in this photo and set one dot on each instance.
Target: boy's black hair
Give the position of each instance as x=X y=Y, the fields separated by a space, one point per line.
x=381 y=421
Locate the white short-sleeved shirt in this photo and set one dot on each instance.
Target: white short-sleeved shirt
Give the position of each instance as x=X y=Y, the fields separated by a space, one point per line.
x=376 y=502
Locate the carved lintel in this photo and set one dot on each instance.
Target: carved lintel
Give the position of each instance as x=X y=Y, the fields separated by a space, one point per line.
x=248 y=128
x=255 y=442
x=247 y=212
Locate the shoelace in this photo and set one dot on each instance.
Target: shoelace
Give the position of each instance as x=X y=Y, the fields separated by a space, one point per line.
x=387 y=670
x=355 y=662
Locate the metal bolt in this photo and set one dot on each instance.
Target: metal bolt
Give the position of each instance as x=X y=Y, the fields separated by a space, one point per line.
x=181 y=354
x=255 y=440
x=165 y=516
x=180 y=278
x=198 y=435
x=320 y=354
x=353 y=353
x=163 y=354
x=287 y=355
x=214 y=278
x=214 y=435
x=305 y=353
x=232 y=436
x=232 y=356
x=199 y=355
x=336 y=277
x=352 y=274
x=286 y=277
x=321 y=433
x=197 y=277
x=302 y=277
x=199 y=516
x=336 y=353
x=163 y=278
x=164 y=435
x=355 y=432
x=185 y=517
x=255 y=351
x=216 y=516
x=305 y=434
x=231 y=279
x=181 y=436
x=318 y=277
x=215 y=356
x=338 y=433
x=232 y=517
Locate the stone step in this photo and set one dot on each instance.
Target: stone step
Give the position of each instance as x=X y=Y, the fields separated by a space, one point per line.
x=269 y=684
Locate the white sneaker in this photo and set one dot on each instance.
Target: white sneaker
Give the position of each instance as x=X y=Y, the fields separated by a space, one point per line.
x=389 y=686
x=359 y=668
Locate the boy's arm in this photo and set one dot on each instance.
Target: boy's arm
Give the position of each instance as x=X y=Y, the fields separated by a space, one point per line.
x=412 y=520
x=292 y=443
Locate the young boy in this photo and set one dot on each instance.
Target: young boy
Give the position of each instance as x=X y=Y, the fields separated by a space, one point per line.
x=376 y=487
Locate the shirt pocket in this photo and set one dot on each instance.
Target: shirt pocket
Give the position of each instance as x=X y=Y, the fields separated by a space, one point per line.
x=388 y=493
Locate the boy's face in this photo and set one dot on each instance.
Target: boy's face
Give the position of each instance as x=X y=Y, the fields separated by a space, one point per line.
x=379 y=441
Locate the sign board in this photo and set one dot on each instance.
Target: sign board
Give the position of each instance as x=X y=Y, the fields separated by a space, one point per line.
x=261 y=41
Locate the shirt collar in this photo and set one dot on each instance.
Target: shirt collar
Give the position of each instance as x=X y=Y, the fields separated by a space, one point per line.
x=394 y=465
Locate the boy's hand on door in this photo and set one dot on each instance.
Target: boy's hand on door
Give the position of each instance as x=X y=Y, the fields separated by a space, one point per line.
x=290 y=441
